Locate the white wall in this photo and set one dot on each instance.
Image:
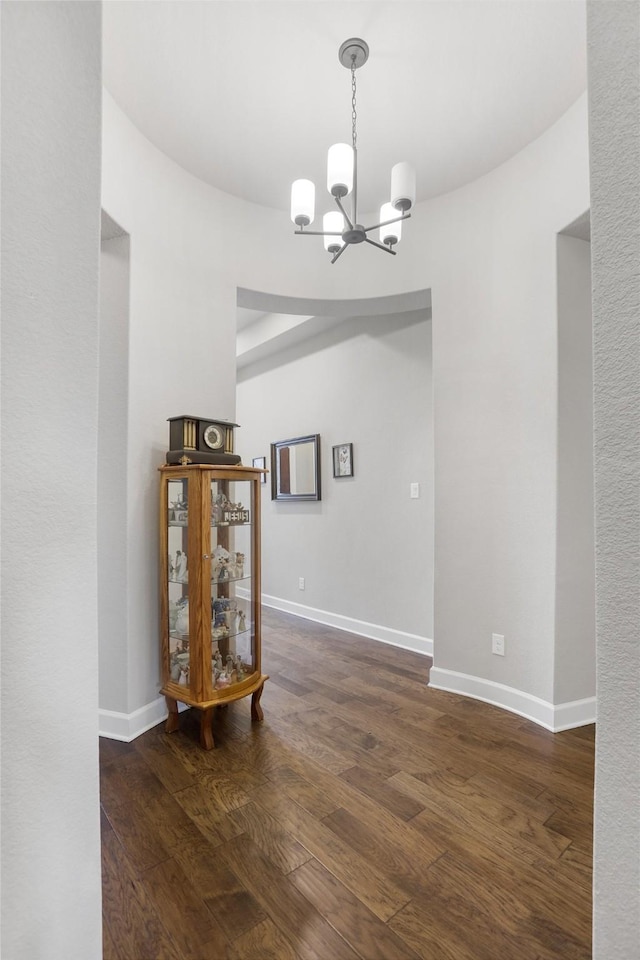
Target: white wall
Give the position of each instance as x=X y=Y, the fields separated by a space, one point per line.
x=50 y=232
x=366 y=549
x=614 y=79
x=575 y=643
x=181 y=361
x=495 y=351
x=488 y=253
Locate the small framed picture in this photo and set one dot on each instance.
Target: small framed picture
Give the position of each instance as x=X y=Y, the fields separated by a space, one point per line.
x=343 y=460
x=262 y=463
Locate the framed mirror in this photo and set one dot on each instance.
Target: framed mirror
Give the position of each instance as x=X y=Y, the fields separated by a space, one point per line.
x=295 y=468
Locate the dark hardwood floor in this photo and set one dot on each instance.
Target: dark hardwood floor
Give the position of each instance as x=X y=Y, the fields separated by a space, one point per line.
x=367 y=817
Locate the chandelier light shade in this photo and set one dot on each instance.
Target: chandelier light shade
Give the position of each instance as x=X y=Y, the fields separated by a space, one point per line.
x=403 y=186
x=391 y=229
x=340 y=170
x=303 y=201
x=340 y=228
x=333 y=227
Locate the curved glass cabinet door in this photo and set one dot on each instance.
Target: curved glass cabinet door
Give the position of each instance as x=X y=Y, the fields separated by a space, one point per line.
x=178 y=581
x=232 y=608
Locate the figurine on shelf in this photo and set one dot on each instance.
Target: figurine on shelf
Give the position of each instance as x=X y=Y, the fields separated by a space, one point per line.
x=238 y=568
x=218 y=506
x=180 y=567
x=223 y=569
x=220 y=627
x=240 y=672
x=184 y=676
x=219 y=607
x=174 y=610
x=178 y=510
x=229 y=666
x=241 y=621
x=220 y=557
x=216 y=668
x=182 y=618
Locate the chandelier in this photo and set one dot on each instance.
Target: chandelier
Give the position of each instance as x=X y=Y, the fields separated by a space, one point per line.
x=341 y=228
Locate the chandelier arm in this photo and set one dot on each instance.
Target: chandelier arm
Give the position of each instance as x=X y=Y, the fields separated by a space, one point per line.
x=379 y=246
x=340 y=252
x=385 y=223
x=317 y=233
x=344 y=212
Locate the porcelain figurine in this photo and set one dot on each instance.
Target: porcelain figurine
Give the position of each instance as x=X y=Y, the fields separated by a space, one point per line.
x=182 y=619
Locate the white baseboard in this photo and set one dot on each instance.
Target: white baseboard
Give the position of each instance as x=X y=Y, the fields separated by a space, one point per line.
x=396 y=638
x=128 y=726
x=554 y=717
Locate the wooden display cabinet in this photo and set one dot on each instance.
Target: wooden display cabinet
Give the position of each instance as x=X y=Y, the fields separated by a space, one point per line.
x=210 y=589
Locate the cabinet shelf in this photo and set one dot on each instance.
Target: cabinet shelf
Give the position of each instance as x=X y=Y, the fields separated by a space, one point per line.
x=226 y=580
x=230 y=524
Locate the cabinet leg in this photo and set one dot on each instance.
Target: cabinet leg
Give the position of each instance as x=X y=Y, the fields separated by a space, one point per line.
x=256 y=709
x=173 y=720
x=206 y=733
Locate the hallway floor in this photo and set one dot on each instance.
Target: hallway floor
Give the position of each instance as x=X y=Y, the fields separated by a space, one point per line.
x=367 y=817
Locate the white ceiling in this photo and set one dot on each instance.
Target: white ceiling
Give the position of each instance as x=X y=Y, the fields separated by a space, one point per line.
x=248 y=96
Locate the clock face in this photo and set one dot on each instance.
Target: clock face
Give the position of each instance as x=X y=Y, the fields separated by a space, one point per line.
x=213 y=437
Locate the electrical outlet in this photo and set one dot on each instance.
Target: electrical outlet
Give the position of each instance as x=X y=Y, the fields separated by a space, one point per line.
x=300 y=583
x=497 y=644
x=414 y=491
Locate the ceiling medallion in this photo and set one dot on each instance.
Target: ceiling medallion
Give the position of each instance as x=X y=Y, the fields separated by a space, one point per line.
x=341 y=228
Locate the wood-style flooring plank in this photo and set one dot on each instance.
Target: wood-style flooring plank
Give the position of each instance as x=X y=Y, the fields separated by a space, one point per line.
x=369 y=937
x=533 y=913
x=273 y=839
x=374 y=887
x=453 y=928
x=109 y=949
x=263 y=942
x=138 y=836
x=133 y=922
x=152 y=747
x=379 y=790
x=202 y=806
x=544 y=837
x=233 y=907
x=406 y=864
x=514 y=836
x=298 y=738
x=312 y=937
x=192 y=925
x=305 y=793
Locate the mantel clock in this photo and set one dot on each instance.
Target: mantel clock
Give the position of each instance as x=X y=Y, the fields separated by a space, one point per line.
x=201 y=440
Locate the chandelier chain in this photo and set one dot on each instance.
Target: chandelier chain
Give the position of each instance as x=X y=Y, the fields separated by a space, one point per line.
x=354 y=115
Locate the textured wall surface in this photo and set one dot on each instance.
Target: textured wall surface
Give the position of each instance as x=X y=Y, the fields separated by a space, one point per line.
x=614 y=83
x=113 y=397
x=575 y=654
x=50 y=245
